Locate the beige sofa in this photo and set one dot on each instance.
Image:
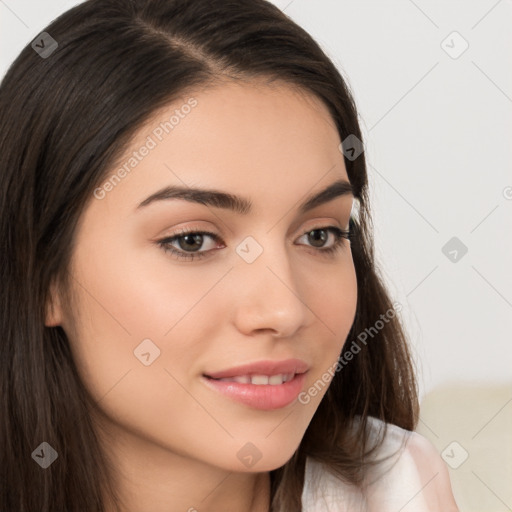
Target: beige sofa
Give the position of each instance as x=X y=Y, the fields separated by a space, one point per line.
x=471 y=426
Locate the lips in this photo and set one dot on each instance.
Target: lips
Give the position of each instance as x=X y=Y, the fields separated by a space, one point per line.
x=265 y=385
x=262 y=372
x=263 y=397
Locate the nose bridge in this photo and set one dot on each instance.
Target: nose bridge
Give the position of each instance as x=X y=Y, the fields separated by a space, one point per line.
x=270 y=296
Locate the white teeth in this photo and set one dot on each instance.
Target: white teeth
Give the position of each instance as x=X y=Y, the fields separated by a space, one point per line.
x=260 y=380
x=276 y=379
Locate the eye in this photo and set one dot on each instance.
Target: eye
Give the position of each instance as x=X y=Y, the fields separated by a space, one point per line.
x=190 y=242
x=319 y=236
x=187 y=240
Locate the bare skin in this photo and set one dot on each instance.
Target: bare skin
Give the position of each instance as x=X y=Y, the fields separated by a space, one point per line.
x=173 y=440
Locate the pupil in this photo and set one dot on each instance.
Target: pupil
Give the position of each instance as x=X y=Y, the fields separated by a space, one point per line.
x=322 y=237
x=197 y=239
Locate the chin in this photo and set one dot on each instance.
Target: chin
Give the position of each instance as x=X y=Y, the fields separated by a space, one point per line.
x=265 y=454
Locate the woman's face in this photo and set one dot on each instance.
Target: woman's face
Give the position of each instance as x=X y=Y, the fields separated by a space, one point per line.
x=149 y=325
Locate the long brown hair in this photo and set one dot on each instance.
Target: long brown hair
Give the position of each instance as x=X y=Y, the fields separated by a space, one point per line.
x=65 y=117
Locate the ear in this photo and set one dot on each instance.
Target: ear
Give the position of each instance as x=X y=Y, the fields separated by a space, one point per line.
x=54 y=314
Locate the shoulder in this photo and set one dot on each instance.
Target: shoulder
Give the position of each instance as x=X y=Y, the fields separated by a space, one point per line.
x=409 y=475
x=413 y=479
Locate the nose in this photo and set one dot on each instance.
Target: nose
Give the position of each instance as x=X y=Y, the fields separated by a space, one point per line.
x=268 y=296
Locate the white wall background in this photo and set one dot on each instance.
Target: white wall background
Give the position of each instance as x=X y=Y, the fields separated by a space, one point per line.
x=438 y=140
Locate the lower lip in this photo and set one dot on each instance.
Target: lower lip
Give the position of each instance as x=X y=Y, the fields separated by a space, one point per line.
x=264 y=396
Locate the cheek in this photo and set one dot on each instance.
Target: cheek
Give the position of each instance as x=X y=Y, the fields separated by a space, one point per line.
x=137 y=293
x=333 y=298
x=126 y=308
x=131 y=313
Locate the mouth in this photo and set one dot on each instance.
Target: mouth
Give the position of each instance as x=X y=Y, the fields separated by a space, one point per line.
x=257 y=391
x=258 y=380
x=263 y=372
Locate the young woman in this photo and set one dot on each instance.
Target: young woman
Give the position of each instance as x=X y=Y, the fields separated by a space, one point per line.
x=191 y=316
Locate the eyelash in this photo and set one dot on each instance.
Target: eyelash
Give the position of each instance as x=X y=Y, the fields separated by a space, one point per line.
x=339 y=234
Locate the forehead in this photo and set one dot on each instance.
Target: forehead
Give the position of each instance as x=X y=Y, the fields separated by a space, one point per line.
x=241 y=137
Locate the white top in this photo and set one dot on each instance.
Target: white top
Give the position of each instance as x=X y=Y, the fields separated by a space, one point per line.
x=415 y=479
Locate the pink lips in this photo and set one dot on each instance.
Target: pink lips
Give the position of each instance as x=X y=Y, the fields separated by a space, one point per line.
x=261 y=395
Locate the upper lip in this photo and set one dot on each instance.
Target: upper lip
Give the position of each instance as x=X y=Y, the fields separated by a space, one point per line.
x=267 y=367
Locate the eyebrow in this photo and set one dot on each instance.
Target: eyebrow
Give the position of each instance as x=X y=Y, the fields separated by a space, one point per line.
x=242 y=205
